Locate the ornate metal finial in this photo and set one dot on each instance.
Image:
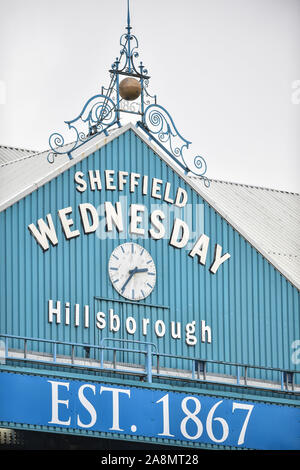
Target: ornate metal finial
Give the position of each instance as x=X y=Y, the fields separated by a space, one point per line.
x=128 y=17
x=130 y=95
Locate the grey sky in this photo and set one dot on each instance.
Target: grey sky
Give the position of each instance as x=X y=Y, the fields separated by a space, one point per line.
x=228 y=71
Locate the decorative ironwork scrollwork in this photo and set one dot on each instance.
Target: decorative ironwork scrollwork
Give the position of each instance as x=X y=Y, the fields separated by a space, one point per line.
x=128 y=53
x=158 y=121
x=98 y=114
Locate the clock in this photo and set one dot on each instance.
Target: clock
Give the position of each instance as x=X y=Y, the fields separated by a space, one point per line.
x=132 y=271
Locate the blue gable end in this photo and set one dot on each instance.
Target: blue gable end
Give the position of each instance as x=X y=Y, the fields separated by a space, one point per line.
x=246 y=312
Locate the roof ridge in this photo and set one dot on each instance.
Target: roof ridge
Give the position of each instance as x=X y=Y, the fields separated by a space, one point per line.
x=17 y=148
x=17 y=160
x=250 y=186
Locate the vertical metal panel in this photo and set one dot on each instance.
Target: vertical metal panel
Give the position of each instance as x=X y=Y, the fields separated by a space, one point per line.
x=253 y=311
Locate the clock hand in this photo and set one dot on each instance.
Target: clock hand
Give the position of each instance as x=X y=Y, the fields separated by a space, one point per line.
x=131 y=273
x=135 y=270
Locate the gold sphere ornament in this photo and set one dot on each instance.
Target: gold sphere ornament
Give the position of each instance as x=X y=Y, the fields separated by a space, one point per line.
x=130 y=89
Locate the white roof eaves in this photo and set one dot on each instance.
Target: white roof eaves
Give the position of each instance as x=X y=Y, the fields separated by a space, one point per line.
x=97 y=143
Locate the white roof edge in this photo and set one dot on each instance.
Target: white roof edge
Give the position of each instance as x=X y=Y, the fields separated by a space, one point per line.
x=89 y=147
x=248 y=185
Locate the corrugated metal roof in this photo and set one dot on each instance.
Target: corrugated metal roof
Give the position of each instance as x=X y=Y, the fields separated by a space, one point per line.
x=269 y=219
x=19 y=175
x=268 y=216
x=11 y=154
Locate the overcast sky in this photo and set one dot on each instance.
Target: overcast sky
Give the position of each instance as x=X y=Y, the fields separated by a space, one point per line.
x=228 y=71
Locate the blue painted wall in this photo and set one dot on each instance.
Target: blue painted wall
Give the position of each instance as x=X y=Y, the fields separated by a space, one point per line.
x=253 y=311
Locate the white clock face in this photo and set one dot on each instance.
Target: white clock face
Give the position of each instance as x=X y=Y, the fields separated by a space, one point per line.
x=132 y=271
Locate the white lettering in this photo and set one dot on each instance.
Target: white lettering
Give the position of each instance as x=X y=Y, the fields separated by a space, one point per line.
x=155 y=218
x=53 y=311
x=133 y=181
x=86 y=316
x=177 y=334
x=55 y=402
x=136 y=219
x=81 y=183
x=145 y=185
x=218 y=259
x=94 y=177
x=167 y=193
x=130 y=325
x=122 y=180
x=44 y=232
x=200 y=249
x=115 y=401
x=181 y=197
x=77 y=314
x=67 y=313
x=100 y=320
x=67 y=223
x=190 y=329
x=156 y=188
x=84 y=210
x=205 y=329
x=114 y=321
x=146 y=322
x=113 y=216
x=160 y=328
x=109 y=180
x=87 y=405
x=179 y=226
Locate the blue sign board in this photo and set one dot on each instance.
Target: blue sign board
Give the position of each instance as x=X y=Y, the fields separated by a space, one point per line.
x=139 y=411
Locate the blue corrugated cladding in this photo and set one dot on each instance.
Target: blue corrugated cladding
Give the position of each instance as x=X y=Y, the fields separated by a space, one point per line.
x=253 y=311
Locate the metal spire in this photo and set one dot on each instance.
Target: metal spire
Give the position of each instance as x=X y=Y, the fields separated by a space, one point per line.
x=128 y=17
x=128 y=36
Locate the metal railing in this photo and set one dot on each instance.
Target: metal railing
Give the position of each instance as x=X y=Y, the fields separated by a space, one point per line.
x=196 y=372
x=72 y=360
